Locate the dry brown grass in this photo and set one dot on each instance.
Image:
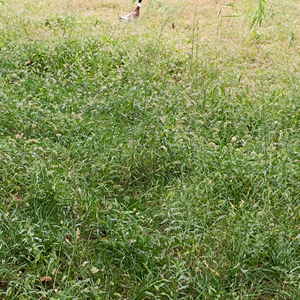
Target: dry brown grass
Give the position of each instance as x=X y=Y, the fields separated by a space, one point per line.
x=221 y=33
x=210 y=16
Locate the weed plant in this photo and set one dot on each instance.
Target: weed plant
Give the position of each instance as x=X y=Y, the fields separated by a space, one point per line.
x=154 y=160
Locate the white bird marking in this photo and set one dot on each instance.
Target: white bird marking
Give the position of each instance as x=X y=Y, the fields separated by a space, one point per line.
x=133 y=15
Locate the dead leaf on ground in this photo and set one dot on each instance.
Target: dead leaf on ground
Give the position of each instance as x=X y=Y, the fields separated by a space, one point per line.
x=45 y=279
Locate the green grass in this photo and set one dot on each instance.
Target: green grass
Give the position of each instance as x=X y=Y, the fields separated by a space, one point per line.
x=139 y=161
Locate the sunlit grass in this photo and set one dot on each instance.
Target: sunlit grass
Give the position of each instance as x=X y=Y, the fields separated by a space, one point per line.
x=149 y=160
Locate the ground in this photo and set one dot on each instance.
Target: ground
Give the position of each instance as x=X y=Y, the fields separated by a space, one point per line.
x=150 y=160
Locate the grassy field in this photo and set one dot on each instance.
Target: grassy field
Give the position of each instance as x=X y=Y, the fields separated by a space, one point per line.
x=150 y=160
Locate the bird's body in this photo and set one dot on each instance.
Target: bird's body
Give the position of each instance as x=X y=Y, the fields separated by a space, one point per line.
x=133 y=15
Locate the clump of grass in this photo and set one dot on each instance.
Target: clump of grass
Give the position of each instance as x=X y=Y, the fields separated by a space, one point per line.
x=259 y=14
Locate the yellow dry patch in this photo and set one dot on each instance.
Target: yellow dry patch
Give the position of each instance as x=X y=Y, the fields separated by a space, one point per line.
x=208 y=28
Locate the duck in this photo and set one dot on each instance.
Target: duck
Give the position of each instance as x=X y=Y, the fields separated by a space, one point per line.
x=133 y=15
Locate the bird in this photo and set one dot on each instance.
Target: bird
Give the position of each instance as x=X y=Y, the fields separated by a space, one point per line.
x=133 y=15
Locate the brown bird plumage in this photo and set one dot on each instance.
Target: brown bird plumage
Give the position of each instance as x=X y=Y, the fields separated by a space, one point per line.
x=133 y=15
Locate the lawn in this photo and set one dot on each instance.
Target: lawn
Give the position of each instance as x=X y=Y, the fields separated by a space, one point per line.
x=158 y=159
